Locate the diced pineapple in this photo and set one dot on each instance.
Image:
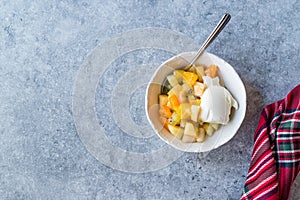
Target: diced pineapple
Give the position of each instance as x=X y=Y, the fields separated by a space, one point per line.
x=195 y=112
x=199 y=89
x=175 y=90
x=179 y=75
x=163 y=99
x=188 y=139
x=172 y=80
x=208 y=129
x=190 y=78
x=176 y=131
x=174 y=119
x=189 y=129
x=200 y=72
x=212 y=71
x=185 y=110
x=201 y=136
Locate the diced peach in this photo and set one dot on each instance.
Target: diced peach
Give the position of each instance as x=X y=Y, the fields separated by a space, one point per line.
x=212 y=71
x=165 y=111
x=173 y=101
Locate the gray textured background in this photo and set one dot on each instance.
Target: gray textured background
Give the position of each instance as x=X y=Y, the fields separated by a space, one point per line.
x=42 y=46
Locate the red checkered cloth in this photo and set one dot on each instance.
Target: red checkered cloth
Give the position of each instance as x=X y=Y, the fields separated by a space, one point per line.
x=275 y=159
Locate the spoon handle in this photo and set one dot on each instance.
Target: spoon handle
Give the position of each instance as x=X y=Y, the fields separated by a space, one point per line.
x=222 y=23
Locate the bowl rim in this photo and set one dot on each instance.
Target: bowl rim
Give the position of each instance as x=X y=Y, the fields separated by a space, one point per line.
x=183 y=55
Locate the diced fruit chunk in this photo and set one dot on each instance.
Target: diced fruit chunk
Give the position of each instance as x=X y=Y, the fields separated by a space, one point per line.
x=182 y=97
x=163 y=99
x=190 y=78
x=185 y=110
x=199 y=89
x=200 y=72
x=174 y=119
x=176 y=131
x=165 y=111
x=175 y=90
x=188 y=139
x=195 y=112
x=189 y=129
x=201 y=136
x=172 y=80
x=174 y=103
x=180 y=101
x=186 y=87
x=208 y=129
x=179 y=75
x=212 y=71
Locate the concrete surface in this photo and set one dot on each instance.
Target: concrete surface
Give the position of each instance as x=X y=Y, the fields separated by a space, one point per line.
x=44 y=44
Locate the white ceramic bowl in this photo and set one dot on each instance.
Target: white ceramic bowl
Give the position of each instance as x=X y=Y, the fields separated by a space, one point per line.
x=232 y=82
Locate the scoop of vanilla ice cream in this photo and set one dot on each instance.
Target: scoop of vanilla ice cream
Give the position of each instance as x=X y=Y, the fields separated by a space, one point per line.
x=216 y=102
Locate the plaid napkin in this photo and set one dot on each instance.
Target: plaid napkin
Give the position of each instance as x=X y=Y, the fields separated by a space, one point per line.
x=275 y=159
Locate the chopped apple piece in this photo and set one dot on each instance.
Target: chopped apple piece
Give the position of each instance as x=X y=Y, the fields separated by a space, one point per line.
x=175 y=90
x=185 y=110
x=195 y=112
x=188 y=139
x=190 y=129
x=199 y=89
x=172 y=80
x=176 y=131
x=182 y=97
x=201 y=136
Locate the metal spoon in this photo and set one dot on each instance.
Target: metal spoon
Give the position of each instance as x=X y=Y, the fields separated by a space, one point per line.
x=222 y=23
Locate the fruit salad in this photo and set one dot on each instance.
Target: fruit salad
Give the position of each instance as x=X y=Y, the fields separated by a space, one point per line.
x=193 y=104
